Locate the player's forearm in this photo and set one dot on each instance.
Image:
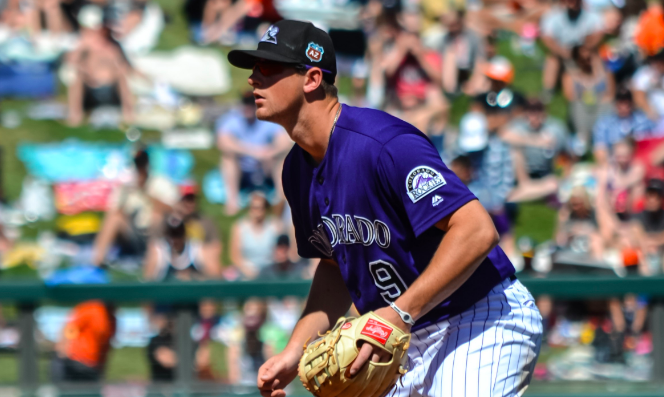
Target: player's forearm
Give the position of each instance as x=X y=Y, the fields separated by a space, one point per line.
x=328 y=300
x=465 y=245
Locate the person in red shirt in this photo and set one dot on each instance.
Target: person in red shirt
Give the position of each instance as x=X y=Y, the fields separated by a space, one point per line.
x=86 y=339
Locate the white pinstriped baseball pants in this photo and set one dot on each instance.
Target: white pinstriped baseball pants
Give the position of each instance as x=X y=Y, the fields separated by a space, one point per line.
x=489 y=350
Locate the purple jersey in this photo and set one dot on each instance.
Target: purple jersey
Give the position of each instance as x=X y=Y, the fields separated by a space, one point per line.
x=371 y=205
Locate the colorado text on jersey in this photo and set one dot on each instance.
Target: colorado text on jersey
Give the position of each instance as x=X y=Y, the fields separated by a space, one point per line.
x=354 y=229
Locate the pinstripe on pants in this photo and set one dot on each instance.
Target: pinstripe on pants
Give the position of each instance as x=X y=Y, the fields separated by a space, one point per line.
x=488 y=350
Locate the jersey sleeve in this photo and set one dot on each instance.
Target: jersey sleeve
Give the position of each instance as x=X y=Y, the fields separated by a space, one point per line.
x=415 y=177
x=297 y=202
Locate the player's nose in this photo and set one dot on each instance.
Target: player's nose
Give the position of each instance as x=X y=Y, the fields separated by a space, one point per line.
x=254 y=79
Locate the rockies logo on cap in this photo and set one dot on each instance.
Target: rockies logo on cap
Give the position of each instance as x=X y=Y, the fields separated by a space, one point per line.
x=270 y=35
x=314 y=52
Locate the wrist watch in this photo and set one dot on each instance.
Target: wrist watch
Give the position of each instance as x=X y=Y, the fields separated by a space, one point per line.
x=405 y=316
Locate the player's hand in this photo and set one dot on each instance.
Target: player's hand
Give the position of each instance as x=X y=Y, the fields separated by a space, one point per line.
x=277 y=373
x=377 y=355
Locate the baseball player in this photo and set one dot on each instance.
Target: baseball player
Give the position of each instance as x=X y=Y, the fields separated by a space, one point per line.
x=396 y=232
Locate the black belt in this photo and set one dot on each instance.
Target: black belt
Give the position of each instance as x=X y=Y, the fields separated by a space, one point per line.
x=513 y=277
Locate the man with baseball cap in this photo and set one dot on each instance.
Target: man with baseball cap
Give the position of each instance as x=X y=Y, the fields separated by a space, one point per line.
x=396 y=232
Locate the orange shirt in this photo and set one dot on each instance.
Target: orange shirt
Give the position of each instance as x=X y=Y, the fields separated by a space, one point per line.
x=88 y=333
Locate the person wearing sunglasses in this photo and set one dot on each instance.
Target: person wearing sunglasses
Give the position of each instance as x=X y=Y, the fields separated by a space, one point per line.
x=396 y=232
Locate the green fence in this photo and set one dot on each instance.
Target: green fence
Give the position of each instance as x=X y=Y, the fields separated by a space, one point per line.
x=28 y=296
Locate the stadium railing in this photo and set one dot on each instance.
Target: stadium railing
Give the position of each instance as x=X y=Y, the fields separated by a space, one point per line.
x=28 y=295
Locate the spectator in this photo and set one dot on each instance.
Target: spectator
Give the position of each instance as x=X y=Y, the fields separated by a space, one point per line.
x=413 y=75
x=624 y=122
x=619 y=183
x=536 y=140
x=252 y=152
x=463 y=53
x=134 y=211
x=246 y=348
x=589 y=88
x=577 y=228
x=161 y=353
x=177 y=256
x=282 y=267
x=463 y=168
x=618 y=49
x=86 y=339
x=648 y=229
x=202 y=333
x=220 y=18
x=101 y=70
x=201 y=229
x=647 y=87
x=562 y=29
x=413 y=89
x=253 y=238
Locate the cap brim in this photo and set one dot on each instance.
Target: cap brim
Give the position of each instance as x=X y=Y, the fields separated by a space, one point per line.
x=246 y=59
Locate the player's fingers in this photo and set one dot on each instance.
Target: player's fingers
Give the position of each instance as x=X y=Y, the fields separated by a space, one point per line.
x=278 y=393
x=365 y=352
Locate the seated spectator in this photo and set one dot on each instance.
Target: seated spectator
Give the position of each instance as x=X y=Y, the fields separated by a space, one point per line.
x=253 y=238
x=178 y=257
x=589 y=88
x=101 y=70
x=44 y=15
x=619 y=184
x=618 y=49
x=220 y=18
x=577 y=228
x=647 y=87
x=202 y=334
x=161 y=349
x=463 y=168
x=536 y=140
x=413 y=83
x=282 y=267
x=245 y=351
x=200 y=228
x=648 y=229
x=463 y=53
x=252 y=151
x=562 y=29
x=86 y=339
x=624 y=122
x=134 y=211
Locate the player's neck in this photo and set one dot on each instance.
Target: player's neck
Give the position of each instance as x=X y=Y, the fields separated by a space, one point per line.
x=311 y=130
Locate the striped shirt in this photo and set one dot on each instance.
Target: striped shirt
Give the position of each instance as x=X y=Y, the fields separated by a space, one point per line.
x=610 y=128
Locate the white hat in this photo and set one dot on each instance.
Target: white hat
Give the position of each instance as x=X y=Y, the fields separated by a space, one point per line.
x=90 y=16
x=473 y=132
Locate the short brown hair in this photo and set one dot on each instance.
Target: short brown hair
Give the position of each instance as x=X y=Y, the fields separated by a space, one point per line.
x=329 y=88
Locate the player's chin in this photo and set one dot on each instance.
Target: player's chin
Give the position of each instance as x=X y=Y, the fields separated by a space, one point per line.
x=262 y=113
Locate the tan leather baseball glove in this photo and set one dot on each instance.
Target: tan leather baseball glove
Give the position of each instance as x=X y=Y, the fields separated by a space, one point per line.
x=325 y=365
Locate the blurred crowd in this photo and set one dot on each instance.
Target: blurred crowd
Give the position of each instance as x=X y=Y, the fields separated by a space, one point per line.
x=429 y=62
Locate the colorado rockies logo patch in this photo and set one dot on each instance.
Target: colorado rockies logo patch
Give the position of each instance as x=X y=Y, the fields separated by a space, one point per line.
x=315 y=52
x=421 y=181
x=270 y=35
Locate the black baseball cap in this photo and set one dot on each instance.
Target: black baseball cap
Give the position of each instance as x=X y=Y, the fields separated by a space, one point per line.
x=294 y=43
x=655 y=186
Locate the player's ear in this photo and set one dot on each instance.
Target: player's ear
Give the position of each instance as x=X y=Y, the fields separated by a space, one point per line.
x=312 y=80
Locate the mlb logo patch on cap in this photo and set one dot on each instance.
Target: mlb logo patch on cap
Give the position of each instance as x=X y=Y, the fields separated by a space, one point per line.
x=314 y=52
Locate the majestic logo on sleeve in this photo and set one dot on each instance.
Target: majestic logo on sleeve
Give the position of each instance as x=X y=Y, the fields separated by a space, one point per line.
x=270 y=35
x=315 y=52
x=423 y=180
